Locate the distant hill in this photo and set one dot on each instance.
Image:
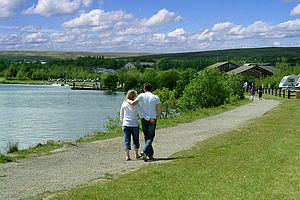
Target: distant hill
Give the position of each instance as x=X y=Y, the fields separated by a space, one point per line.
x=49 y=55
x=269 y=54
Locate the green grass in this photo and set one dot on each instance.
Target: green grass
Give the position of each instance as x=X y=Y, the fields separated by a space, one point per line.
x=39 y=149
x=45 y=55
x=12 y=147
x=33 y=82
x=100 y=136
x=6 y=159
x=258 y=161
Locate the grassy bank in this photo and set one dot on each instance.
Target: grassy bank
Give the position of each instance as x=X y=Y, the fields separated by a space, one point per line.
x=258 y=161
x=33 y=82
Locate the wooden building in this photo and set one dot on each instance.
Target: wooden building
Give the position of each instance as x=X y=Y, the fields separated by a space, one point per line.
x=254 y=70
x=224 y=66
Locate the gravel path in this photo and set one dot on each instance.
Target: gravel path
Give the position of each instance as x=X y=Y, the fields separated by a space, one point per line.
x=76 y=165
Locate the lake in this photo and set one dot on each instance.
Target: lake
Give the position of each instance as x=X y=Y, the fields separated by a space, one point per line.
x=32 y=114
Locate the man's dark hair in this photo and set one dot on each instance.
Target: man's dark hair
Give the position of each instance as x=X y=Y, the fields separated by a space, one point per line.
x=148 y=87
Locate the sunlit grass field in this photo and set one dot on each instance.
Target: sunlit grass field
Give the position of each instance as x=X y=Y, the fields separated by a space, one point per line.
x=258 y=161
x=64 y=55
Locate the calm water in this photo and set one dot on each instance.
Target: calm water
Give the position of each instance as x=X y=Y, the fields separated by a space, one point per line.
x=35 y=114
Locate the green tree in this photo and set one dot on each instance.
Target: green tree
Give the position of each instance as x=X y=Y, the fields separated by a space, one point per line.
x=185 y=77
x=110 y=81
x=169 y=78
x=206 y=90
x=11 y=72
x=151 y=76
x=168 y=100
x=233 y=88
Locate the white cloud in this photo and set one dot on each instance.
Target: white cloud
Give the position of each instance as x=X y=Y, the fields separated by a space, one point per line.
x=87 y=2
x=292 y=25
x=179 y=34
x=258 y=27
x=134 y=30
x=7 y=7
x=62 y=37
x=295 y=11
x=206 y=35
x=159 y=38
x=49 y=8
x=12 y=39
x=222 y=26
x=36 y=38
x=162 y=17
x=99 y=20
x=276 y=44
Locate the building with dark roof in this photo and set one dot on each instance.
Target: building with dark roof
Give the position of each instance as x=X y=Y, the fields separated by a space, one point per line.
x=224 y=66
x=254 y=70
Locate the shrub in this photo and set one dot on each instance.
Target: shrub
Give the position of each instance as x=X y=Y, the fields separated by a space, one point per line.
x=5 y=159
x=210 y=88
x=234 y=88
x=112 y=124
x=206 y=90
x=12 y=147
x=168 y=100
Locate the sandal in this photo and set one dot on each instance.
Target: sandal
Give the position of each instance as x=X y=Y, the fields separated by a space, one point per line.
x=128 y=159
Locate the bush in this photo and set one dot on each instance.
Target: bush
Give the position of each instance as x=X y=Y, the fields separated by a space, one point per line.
x=206 y=90
x=112 y=124
x=210 y=88
x=168 y=100
x=12 y=147
x=234 y=88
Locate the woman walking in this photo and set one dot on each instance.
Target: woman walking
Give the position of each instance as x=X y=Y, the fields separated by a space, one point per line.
x=130 y=124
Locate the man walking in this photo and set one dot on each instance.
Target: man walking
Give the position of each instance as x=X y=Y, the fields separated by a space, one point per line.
x=150 y=104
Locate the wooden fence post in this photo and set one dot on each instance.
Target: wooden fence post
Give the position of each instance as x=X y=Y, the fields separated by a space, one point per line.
x=279 y=92
x=272 y=91
x=275 y=91
x=289 y=94
x=283 y=93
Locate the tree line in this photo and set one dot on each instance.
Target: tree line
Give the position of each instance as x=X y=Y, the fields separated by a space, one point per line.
x=181 y=84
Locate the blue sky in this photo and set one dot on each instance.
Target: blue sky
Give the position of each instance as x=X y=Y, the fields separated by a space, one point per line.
x=147 y=25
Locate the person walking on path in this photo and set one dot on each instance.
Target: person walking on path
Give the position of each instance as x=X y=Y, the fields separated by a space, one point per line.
x=252 y=90
x=150 y=105
x=130 y=124
x=260 y=92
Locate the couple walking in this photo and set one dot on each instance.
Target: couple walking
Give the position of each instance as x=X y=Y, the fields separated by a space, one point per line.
x=149 y=108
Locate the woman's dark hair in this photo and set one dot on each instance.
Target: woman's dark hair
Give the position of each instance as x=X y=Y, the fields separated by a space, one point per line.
x=148 y=87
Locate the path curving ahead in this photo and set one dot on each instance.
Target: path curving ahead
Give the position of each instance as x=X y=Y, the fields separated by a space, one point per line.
x=76 y=165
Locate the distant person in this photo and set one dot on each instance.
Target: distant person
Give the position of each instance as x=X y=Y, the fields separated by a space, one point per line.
x=252 y=91
x=260 y=92
x=130 y=124
x=245 y=86
x=150 y=105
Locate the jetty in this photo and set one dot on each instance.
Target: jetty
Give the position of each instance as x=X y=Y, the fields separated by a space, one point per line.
x=86 y=88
